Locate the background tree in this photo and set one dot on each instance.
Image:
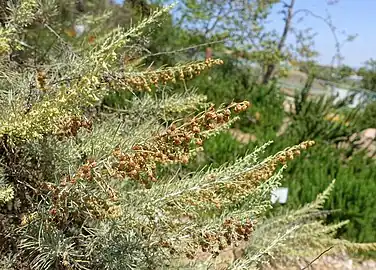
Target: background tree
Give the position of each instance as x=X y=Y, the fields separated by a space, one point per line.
x=368 y=72
x=247 y=21
x=345 y=71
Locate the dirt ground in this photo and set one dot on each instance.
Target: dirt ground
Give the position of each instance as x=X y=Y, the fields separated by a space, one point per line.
x=324 y=262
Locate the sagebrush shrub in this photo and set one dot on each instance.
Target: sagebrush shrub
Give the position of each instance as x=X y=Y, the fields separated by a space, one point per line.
x=85 y=186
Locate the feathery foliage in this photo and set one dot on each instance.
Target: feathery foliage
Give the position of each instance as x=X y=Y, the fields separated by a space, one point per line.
x=85 y=186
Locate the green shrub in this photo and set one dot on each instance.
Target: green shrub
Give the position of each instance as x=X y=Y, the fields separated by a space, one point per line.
x=367 y=119
x=352 y=195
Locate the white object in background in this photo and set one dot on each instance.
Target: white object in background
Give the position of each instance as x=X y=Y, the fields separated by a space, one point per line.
x=79 y=29
x=279 y=195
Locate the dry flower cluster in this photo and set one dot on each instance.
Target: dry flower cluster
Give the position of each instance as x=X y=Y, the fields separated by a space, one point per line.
x=231 y=233
x=71 y=127
x=267 y=169
x=145 y=80
x=69 y=204
x=231 y=191
x=41 y=80
x=171 y=146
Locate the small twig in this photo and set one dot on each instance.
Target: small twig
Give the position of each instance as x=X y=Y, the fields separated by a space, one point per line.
x=66 y=44
x=322 y=253
x=186 y=48
x=66 y=80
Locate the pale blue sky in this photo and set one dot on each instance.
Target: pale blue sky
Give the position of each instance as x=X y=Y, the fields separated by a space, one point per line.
x=352 y=16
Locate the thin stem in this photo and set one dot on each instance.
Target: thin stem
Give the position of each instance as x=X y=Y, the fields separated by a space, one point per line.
x=322 y=253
